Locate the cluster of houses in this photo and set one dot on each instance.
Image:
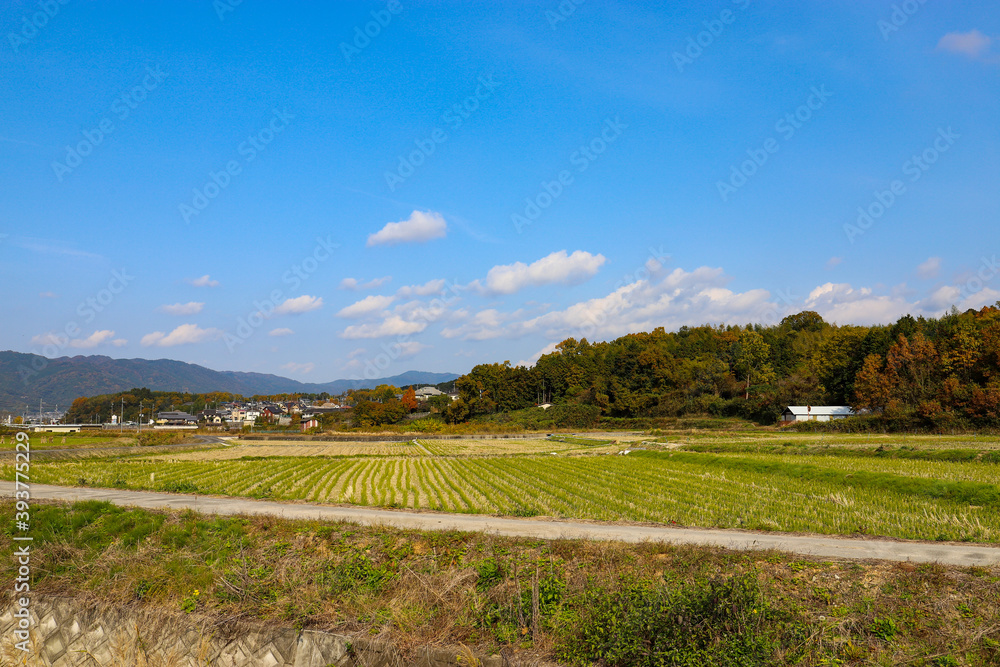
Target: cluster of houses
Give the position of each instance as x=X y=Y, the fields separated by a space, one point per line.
x=246 y=413
x=240 y=413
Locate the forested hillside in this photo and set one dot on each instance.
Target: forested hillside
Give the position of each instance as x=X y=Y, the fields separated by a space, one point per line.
x=917 y=372
x=27 y=378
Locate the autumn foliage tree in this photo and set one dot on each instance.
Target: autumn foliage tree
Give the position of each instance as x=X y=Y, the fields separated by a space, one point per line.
x=409 y=400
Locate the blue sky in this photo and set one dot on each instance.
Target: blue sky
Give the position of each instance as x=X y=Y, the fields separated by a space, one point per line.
x=361 y=189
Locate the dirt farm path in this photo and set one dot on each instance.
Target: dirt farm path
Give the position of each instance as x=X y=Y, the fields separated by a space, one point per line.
x=810 y=545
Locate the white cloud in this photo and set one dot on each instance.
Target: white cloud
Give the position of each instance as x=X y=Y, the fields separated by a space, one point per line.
x=533 y=359
x=393 y=325
x=204 y=281
x=293 y=367
x=49 y=339
x=91 y=341
x=189 y=308
x=282 y=331
x=557 y=267
x=185 y=334
x=367 y=306
x=841 y=303
x=419 y=227
x=834 y=262
x=355 y=284
x=942 y=298
x=428 y=288
x=973 y=44
x=48 y=295
x=930 y=268
x=300 y=304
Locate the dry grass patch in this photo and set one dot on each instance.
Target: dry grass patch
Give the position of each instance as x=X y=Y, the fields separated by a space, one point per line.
x=546 y=599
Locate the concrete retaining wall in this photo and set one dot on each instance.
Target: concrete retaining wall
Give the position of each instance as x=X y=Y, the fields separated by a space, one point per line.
x=64 y=633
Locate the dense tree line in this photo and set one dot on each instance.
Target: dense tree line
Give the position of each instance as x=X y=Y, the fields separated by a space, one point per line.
x=930 y=372
x=100 y=408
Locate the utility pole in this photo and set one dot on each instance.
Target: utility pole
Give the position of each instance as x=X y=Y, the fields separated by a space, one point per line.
x=121 y=421
x=140 y=418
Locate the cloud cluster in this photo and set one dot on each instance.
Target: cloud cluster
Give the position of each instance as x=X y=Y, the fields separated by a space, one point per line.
x=91 y=341
x=679 y=298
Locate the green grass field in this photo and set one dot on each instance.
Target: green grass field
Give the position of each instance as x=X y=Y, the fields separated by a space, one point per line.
x=92 y=439
x=832 y=490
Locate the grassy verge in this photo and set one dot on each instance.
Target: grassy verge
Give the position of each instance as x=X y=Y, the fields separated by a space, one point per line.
x=765 y=437
x=47 y=441
x=571 y=601
x=816 y=449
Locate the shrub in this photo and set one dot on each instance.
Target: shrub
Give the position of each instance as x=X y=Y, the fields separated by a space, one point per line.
x=721 y=621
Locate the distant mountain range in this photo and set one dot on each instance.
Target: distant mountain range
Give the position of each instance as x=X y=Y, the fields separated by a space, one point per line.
x=26 y=378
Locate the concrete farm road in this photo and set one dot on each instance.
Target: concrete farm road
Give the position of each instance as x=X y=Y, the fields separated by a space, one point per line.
x=809 y=545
